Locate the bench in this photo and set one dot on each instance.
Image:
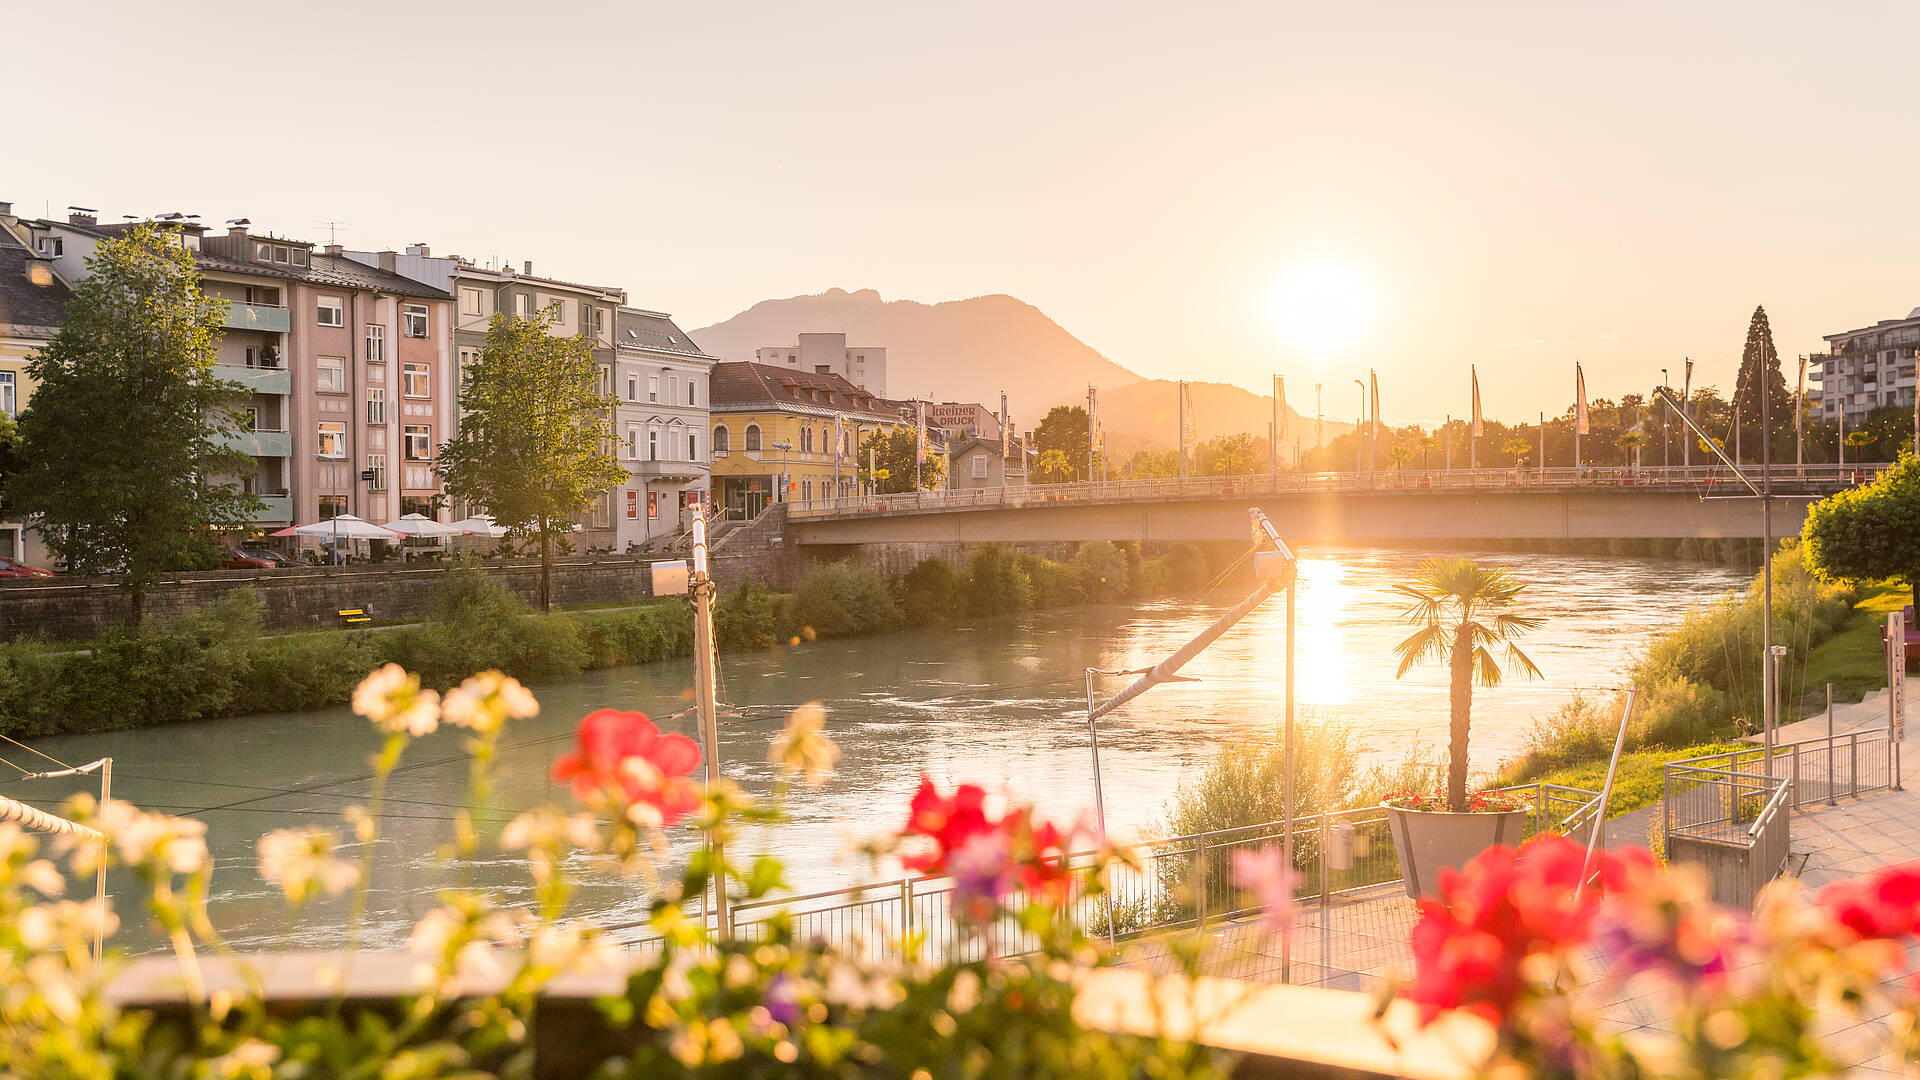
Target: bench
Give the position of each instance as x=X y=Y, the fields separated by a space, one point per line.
x=354 y=616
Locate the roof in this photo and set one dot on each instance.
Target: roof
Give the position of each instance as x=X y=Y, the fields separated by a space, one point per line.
x=348 y=274
x=23 y=303
x=735 y=387
x=651 y=330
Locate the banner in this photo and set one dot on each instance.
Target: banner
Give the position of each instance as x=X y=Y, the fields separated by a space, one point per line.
x=633 y=505
x=1479 y=429
x=920 y=431
x=653 y=505
x=1373 y=392
x=839 y=441
x=1006 y=433
x=1686 y=390
x=1280 y=408
x=1579 y=400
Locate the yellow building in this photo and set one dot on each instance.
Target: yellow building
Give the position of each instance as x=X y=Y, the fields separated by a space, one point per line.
x=33 y=303
x=781 y=435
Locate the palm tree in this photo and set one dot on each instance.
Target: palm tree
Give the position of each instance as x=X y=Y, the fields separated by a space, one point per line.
x=1399 y=456
x=1462 y=609
x=1631 y=442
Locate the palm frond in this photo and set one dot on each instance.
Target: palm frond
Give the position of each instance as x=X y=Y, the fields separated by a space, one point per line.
x=1428 y=641
x=1519 y=661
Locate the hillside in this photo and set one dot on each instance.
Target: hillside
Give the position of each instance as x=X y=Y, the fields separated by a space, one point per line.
x=1144 y=415
x=958 y=350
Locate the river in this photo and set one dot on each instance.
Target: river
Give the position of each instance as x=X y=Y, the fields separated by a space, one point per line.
x=1000 y=702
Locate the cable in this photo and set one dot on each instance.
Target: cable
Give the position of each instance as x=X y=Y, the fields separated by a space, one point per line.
x=30 y=749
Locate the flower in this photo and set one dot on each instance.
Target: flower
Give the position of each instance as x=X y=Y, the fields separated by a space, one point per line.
x=948 y=820
x=1882 y=905
x=65 y=923
x=487 y=701
x=302 y=863
x=394 y=701
x=1264 y=873
x=623 y=754
x=804 y=747
x=987 y=858
x=548 y=829
x=1666 y=924
x=1491 y=801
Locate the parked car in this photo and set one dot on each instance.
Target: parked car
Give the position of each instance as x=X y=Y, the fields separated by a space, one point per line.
x=254 y=559
x=11 y=569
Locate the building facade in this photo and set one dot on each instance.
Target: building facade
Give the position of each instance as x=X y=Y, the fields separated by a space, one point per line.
x=1866 y=369
x=782 y=435
x=661 y=426
x=33 y=303
x=829 y=354
x=959 y=420
x=980 y=463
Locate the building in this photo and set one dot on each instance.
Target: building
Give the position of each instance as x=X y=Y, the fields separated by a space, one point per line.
x=480 y=291
x=661 y=424
x=978 y=463
x=1866 y=369
x=829 y=354
x=33 y=304
x=963 y=420
x=781 y=435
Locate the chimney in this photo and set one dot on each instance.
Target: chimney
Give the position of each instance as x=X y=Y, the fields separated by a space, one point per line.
x=6 y=209
x=238 y=234
x=418 y=249
x=529 y=268
x=336 y=249
x=386 y=261
x=79 y=218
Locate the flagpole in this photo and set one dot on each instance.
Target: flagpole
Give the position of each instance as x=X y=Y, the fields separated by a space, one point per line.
x=1180 y=437
x=1800 y=410
x=1686 y=414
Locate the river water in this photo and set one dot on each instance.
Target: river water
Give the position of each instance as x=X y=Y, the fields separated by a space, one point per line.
x=1000 y=702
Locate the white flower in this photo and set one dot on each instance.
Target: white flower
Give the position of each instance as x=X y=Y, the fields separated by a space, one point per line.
x=43 y=877
x=177 y=844
x=486 y=701
x=251 y=1058
x=302 y=861
x=803 y=747
x=394 y=701
x=548 y=828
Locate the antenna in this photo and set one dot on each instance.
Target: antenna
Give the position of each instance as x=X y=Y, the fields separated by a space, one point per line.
x=332 y=227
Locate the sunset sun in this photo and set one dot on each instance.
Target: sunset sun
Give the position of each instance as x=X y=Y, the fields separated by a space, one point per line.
x=1321 y=307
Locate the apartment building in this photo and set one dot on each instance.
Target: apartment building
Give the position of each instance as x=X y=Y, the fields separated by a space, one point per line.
x=829 y=354
x=1866 y=369
x=781 y=435
x=983 y=463
x=33 y=302
x=661 y=378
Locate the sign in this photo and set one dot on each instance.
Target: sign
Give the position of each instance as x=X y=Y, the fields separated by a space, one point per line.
x=669 y=578
x=1897 y=674
x=633 y=505
x=366 y=475
x=653 y=505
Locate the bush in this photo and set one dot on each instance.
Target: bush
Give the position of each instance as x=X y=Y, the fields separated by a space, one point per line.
x=1183 y=568
x=1581 y=730
x=748 y=618
x=840 y=599
x=1104 y=573
x=477 y=625
x=1244 y=783
x=933 y=592
x=307 y=671
x=995 y=583
x=1052 y=584
x=639 y=635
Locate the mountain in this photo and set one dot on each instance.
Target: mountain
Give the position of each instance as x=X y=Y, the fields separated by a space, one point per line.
x=1144 y=415
x=958 y=350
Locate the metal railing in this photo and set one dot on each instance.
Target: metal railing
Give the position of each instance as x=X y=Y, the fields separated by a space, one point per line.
x=1787 y=480
x=1823 y=769
x=1735 y=821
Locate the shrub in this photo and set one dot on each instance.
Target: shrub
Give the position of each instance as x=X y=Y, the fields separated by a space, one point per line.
x=995 y=582
x=1183 y=568
x=1053 y=584
x=932 y=592
x=476 y=625
x=307 y=671
x=748 y=618
x=840 y=599
x=1103 y=571
x=638 y=635
x=1581 y=730
x=1244 y=782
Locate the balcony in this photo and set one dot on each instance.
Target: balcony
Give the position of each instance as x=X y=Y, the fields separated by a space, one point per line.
x=257 y=380
x=267 y=318
x=277 y=511
x=261 y=442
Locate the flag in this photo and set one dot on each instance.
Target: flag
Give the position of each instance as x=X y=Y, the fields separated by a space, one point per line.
x=1373 y=390
x=1187 y=425
x=1579 y=400
x=1479 y=429
x=1006 y=433
x=1279 y=409
x=1686 y=388
x=920 y=430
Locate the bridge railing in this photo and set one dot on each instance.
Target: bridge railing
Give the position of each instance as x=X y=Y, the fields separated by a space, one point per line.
x=1703 y=479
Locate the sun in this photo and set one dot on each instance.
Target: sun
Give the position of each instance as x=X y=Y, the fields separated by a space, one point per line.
x=1321 y=307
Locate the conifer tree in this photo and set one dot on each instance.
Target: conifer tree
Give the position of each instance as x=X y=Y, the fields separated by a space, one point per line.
x=1760 y=361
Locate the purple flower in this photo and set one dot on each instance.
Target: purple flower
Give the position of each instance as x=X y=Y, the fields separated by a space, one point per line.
x=983 y=871
x=779 y=1001
x=1265 y=875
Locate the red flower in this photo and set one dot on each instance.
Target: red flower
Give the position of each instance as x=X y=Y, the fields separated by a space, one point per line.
x=987 y=858
x=950 y=821
x=623 y=754
x=1882 y=905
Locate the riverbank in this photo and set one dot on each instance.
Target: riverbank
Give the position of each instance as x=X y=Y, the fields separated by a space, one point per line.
x=217 y=662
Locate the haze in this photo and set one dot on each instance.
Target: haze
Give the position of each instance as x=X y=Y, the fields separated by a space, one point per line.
x=1519 y=184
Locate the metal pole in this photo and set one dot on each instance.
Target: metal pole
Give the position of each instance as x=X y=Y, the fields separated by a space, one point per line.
x=1180 y=437
x=1099 y=797
x=100 y=876
x=1273 y=438
x=1831 y=764
x=1606 y=792
x=1359 y=430
x=1769 y=672
x=704 y=677
x=1286 y=843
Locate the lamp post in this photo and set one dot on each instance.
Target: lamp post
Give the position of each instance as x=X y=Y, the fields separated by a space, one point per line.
x=1666 y=413
x=1359 y=456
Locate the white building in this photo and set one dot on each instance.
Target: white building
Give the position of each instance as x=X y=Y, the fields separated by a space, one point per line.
x=829 y=354
x=661 y=379
x=1866 y=369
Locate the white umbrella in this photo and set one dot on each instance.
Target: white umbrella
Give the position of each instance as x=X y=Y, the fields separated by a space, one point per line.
x=480 y=524
x=344 y=526
x=422 y=525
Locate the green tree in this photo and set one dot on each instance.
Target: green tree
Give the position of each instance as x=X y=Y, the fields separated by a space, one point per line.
x=124 y=464
x=1630 y=443
x=1518 y=448
x=1464 y=611
x=9 y=460
x=892 y=463
x=1231 y=455
x=1871 y=531
x=1065 y=430
x=1051 y=467
x=534 y=449
x=1150 y=465
x=1760 y=373
x=1398 y=455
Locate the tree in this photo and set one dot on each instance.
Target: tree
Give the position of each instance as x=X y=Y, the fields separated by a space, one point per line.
x=1052 y=467
x=1519 y=448
x=122 y=447
x=1065 y=430
x=1760 y=373
x=1231 y=455
x=1630 y=443
x=533 y=449
x=1463 y=611
x=1871 y=531
x=9 y=460
x=892 y=455
x=1398 y=455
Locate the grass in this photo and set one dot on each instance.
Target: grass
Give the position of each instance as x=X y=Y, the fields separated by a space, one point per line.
x=1852 y=659
x=1640 y=781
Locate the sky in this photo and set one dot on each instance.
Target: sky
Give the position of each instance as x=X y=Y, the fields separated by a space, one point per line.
x=1511 y=185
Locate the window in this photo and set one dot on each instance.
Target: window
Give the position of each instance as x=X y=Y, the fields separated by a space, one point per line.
x=376 y=343
x=419 y=442
x=376 y=405
x=471 y=302
x=250 y=418
x=823 y=369
x=673 y=388
x=592 y=320
x=633 y=388
x=413 y=320
x=653 y=388
x=979 y=466
x=9 y=400
x=633 y=443
x=282 y=255
x=332 y=506
x=693 y=446
x=299 y=256
x=653 y=442
x=333 y=439
x=806 y=440
x=523 y=303
x=416 y=379
x=333 y=374
x=806 y=490
x=753 y=436
x=333 y=311
x=377 y=465
x=722 y=441
x=558 y=309
x=52 y=246
x=263 y=252
x=690 y=400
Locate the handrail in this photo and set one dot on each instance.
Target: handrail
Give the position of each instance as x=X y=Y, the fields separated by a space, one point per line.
x=1773 y=804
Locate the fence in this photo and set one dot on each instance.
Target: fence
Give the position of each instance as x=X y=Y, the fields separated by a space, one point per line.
x=1734 y=821
x=1351 y=919
x=1823 y=770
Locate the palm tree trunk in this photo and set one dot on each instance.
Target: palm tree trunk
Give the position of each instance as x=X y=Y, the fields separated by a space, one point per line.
x=1461 y=664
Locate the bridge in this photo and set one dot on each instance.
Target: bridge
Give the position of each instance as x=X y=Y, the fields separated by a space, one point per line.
x=1701 y=502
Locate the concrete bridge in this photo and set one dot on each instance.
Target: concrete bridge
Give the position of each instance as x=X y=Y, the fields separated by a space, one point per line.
x=1656 y=503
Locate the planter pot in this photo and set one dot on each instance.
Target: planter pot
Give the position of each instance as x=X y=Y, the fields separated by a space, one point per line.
x=1429 y=841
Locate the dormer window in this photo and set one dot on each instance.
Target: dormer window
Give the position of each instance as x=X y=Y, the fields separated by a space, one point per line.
x=263 y=253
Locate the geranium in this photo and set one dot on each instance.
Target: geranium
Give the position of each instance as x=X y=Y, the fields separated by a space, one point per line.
x=986 y=857
x=393 y=699
x=1264 y=873
x=486 y=701
x=302 y=863
x=948 y=820
x=1665 y=924
x=1882 y=905
x=1491 y=801
x=623 y=755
